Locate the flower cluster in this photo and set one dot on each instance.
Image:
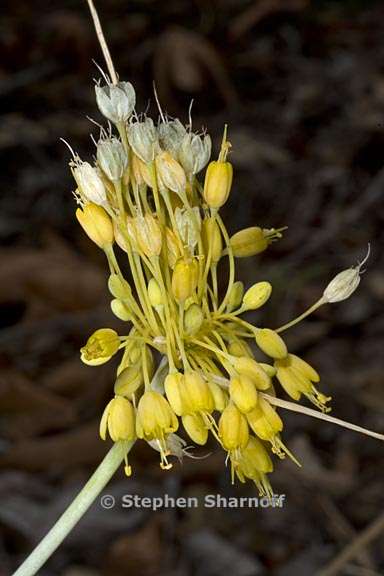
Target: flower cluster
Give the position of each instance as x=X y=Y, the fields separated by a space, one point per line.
x=186 y=358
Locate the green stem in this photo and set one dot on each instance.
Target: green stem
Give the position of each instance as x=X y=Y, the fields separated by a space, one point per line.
x=76 y=510
x=302 y=316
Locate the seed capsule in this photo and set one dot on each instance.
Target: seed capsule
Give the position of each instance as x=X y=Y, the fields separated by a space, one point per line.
x=90 y=183
x=112 y=158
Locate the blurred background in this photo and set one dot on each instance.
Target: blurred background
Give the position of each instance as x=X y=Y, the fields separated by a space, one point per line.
x=301 y=85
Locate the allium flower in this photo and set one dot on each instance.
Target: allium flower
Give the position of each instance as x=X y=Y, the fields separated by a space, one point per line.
x=116 y=101
x=168 y=226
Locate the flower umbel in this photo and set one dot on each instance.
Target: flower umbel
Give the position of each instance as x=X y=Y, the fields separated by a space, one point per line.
x=145 y=193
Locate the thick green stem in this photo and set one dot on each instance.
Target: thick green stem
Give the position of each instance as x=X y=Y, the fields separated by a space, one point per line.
x=76 y=510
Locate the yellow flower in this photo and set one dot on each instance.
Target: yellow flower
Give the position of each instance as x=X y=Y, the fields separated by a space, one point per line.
x=176 y=392
x=100 y=347
x=243 y=392
x=297 y=377
x=119 y=419
x=255 y=463
x=96 y=224
x=196 y=428
x=155 y=420
x=212 y=239
x=249 y=367
x=233 y=429
x=184 y=279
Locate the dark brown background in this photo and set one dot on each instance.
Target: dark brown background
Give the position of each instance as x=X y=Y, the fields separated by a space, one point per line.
x=301 y=86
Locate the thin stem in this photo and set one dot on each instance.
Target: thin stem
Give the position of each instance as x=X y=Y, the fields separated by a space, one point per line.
x=320 y=415
x=102 y=42
x=314 y=307
x=76 y=510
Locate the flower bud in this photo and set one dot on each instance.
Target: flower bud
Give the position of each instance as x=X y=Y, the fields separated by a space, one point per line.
x=249 y=367
x=195 y=428
x=148 y=234
x=252 y=241
x=184 y=279
x=142 y=138
x=198 y=393
x=171 y=134
x=112 y=158
x=243 y=392
x=194 y=152
x=177 y=394
x=121 y=310
x=233 y=428
x=217 y=184
x=119 y=419
x=212 y=240
x=239 y=348
x=220 y=398
x=129 y=380
x=89 y=182
x=154 y=294
x=257 y=295
x=235 y=296
x=116 y=101
x=119 y=287
x=173 y=247
x=96 y=224
x=264 y=420
x=193 y=319
x=271 y=343
x=100 y=347
x=170 y=174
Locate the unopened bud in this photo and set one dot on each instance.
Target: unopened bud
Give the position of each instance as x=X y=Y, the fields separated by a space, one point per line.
x=119 y=287
x=212 y=239
x=121 y=310
x=173 y=247
x=97 y=224
x=129 y=380
x=235 y=296
x=184 y=279
x=154 y=294
x=271 y=343
x=142 y=137
x=257 y=295
x=116 y=101
x=193 y=319
x=119 y=420
x=112 y=158
x=217 y=184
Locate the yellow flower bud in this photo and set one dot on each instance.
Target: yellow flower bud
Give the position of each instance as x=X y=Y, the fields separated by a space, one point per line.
x=249 y=367
x=235 y=296
x=121 y=310
x=198 y=392
x=184 y=279
x=268 y=369
x=118 y=287
x=173 y=247
x=148 y=234
x=233 y=429
x=256 y=296
x=243 y=392
x=170 y=174
x=217 y=184
x=129 y=380
x=176 y=392
x=155 y=417
x=220 y=398
x=100 y=347
x=212 y=239
x=239 y=348
x=154 y=293
x=271 y=343
x=119 y=419
x=97 y=224
x=195 y=428
x=193 y=319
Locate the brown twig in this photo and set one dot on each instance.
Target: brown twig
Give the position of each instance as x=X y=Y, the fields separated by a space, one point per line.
x=370 y=533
